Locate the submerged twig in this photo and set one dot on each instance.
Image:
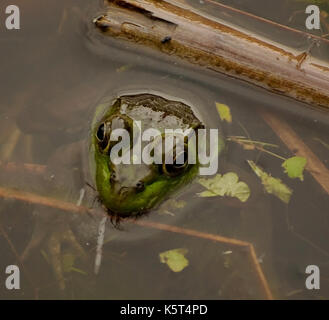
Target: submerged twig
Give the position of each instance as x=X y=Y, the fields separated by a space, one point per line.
x=309 y=242
x=242 y=140
x=70 y=207
x=9 y=147
x=326 y=145
x=100 y=243
x=267 y=21
x=296 y=145
x=217 y=238
x=258 y=145
x=42 y=200
x=28 y=167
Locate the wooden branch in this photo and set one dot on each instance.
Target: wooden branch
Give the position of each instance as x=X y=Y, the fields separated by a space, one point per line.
x=177 y=29
x=296 y=145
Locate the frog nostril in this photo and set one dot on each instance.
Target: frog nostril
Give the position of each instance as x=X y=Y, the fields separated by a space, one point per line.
x=140 y=186
x=113 y=177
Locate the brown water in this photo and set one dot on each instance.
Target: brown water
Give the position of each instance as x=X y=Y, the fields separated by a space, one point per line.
x=54 y=72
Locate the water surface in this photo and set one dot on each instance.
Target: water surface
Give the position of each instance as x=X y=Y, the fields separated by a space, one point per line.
x=55 y=71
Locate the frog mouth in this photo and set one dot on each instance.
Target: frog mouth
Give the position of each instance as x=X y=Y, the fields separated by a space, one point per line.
x=123 y=191
x=117 y=216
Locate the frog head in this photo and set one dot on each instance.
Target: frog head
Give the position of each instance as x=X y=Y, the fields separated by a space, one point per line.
x=134 y=187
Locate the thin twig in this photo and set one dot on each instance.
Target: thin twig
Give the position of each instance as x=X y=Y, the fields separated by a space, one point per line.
x=260 y=273
x=217 y=238
x=41 y=200
x=282 y=26
x=28 y=167
x=257 y=145
x=9 y=147
x=270 y=153
x=70 y=207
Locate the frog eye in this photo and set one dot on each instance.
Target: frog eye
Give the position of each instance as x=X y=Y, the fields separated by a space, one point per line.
x=103 y=133
x=100 y=134
x=177 y=167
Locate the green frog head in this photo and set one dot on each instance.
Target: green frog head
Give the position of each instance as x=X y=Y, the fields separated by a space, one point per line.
x=131 y=188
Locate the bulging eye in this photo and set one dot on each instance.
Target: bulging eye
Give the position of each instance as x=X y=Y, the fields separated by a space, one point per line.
x=103 y=133
x=178 y=166
x=100 y=134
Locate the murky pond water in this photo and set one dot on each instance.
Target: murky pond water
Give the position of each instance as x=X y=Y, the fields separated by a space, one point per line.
x=55 y=71
x=282 y=21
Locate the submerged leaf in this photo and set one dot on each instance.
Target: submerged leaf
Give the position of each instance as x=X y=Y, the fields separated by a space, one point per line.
x=45 y=255
x=294 y=167
x=272 y=185
x=79 y=271
x=176 y=204
x=171 y=204
x=67 y=262
x=175 y=259
x=224 y=112
x=123 y=68
x=226 y=185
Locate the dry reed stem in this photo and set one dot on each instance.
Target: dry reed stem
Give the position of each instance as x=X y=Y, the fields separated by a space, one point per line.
x=28 y=167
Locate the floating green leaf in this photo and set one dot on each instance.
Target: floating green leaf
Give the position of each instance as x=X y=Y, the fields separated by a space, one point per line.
x=225 y=185
x=175 y=259
x=294 y=167
x=272 y=185
x=224 y=112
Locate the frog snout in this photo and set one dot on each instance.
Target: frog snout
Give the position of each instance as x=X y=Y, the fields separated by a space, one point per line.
x=124 y=191
x=122 y=186
x=129 y=179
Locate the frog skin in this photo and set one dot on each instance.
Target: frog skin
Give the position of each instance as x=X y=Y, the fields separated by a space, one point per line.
x=131 y=189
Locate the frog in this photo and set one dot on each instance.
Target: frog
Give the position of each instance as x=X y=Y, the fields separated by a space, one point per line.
x=122 y=190
x=129 y=190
